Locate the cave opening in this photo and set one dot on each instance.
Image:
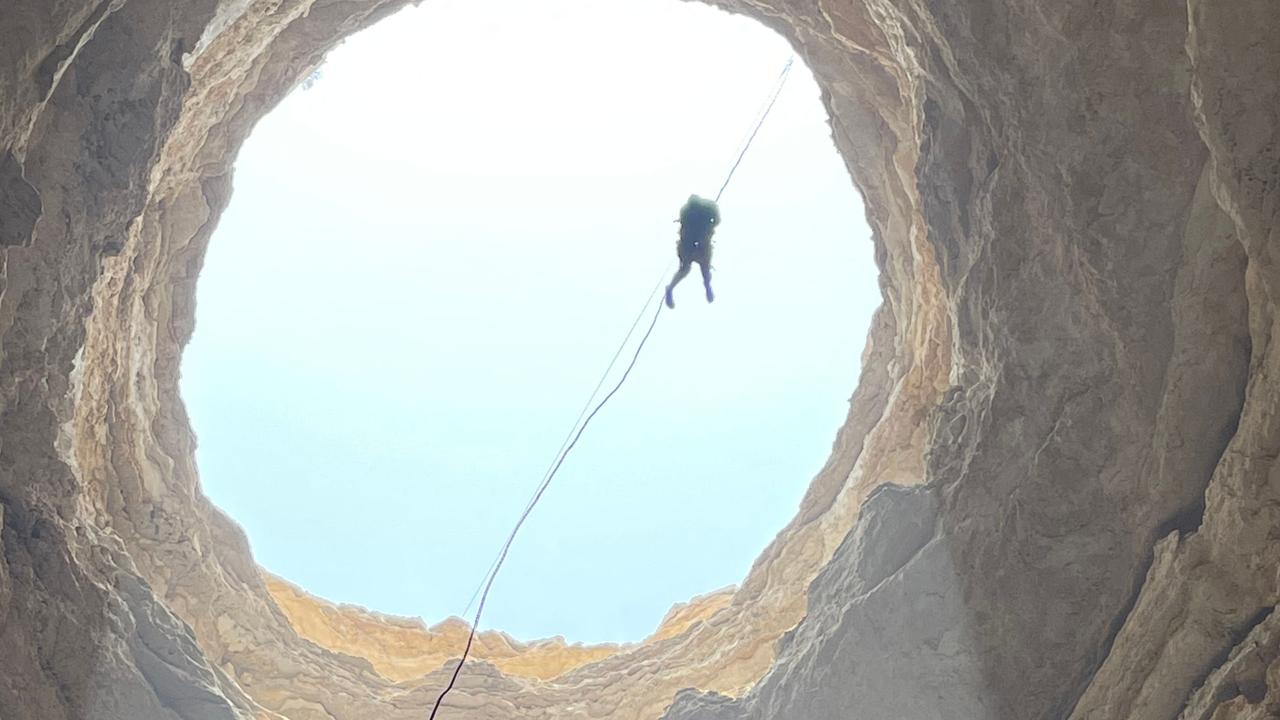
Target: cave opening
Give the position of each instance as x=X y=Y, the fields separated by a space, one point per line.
x=434 y=245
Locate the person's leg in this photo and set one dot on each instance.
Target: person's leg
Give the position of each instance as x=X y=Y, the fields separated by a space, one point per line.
x=705 y=267
x=675 y=280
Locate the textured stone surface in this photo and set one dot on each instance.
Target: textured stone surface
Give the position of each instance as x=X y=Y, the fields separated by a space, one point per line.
x=405 y=648
x=1099 y=185
x=1071 y=384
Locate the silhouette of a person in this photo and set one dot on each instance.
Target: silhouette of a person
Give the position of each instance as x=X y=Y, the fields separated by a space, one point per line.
x=698 y=220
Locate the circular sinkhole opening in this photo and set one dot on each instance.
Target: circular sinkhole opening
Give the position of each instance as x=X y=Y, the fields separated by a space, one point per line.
x=436 y=243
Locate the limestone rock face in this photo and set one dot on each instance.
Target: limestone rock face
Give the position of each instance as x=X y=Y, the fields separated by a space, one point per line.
x=1055 y=495
x=405 y=648
x=1098 y=184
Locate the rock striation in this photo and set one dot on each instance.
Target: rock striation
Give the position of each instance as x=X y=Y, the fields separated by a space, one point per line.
x=1055 y=496
x=402 y=648
x=405 y=648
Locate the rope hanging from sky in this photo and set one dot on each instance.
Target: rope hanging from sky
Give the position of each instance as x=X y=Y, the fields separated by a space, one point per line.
x=584 y=418
x=777 y=90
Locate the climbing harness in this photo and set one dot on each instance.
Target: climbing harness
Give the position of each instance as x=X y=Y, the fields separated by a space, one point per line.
x=584 y=418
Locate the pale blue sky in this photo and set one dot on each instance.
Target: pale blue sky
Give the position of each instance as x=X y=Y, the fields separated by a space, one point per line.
x=431 y=255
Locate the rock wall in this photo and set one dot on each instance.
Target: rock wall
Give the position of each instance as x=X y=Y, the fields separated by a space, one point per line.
x=405 y=648
x=1055 y=495
x=401 y=648
x=1095 y=537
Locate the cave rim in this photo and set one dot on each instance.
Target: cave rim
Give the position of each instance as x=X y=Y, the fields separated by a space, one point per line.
x=196 y=181
x=807 y=481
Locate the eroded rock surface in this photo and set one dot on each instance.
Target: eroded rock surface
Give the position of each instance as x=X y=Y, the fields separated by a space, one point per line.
x=405 y=648
x=1066 y=419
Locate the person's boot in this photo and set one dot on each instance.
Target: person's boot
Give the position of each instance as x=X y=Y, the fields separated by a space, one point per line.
x=711 y=297
x=671 y=303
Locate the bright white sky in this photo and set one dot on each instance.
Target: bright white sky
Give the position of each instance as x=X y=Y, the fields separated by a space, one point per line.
x=430 y=257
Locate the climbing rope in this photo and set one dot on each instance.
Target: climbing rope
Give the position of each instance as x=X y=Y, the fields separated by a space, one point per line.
x=586 y=406
x=580 y=426
x=777 y=90
x=542 y=488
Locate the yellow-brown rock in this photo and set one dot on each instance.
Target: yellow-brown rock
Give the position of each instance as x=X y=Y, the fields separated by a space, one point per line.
x=405 y=648
x=1056 y=494
x=684 y=616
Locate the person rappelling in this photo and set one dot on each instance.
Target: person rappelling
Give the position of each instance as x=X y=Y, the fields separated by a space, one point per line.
x=698 y=220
